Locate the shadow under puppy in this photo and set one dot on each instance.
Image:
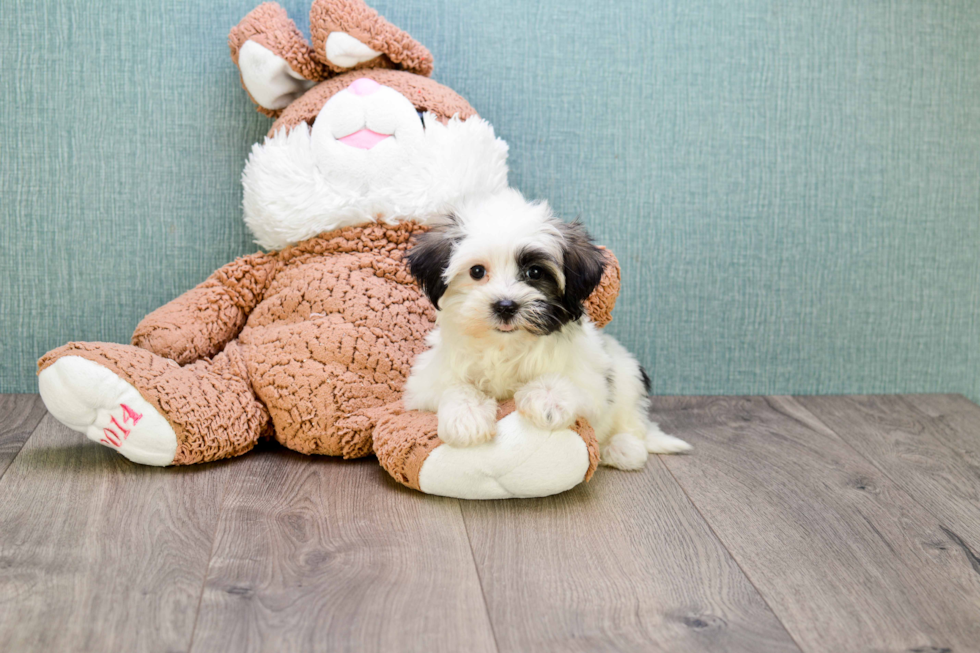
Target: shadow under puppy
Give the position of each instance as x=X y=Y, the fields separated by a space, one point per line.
x=508 y=281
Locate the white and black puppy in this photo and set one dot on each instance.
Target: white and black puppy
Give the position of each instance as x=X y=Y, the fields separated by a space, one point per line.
x=509 y=280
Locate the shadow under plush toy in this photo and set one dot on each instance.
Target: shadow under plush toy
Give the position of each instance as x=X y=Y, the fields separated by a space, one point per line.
x=311 y=342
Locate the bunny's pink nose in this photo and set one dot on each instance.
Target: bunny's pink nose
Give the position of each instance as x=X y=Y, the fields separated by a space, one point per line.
x=363 y=86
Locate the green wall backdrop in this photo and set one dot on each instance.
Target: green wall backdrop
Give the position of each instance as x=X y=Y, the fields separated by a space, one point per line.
x=793 y=188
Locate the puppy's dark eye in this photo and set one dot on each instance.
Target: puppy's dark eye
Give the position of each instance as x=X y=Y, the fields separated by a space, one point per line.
x=477 y=272
x=534 y=272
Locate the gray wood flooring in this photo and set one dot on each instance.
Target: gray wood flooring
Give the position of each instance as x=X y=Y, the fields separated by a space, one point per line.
x=798 y=524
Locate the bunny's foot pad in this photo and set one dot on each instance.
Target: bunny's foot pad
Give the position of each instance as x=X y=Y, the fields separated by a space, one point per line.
x=521 y=460
x=91 y=399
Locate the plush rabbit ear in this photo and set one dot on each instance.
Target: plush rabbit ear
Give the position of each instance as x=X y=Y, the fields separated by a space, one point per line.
x=276 y=62
x=348 y=34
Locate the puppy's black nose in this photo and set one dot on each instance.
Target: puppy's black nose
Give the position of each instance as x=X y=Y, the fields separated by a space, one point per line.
x=505 y=308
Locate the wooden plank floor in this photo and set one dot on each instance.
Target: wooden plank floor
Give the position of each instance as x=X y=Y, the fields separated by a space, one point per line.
x=798 y=524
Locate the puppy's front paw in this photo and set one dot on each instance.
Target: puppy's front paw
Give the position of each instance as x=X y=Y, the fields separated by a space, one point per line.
x=467 y=419
x=549 y=402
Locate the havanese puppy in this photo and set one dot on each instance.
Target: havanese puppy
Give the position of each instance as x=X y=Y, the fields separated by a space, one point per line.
x=508 y=281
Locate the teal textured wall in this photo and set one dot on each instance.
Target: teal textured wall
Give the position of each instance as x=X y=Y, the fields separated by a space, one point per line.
x=793 y=188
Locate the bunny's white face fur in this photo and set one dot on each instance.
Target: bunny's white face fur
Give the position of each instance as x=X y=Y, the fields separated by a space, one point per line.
x=369 y=157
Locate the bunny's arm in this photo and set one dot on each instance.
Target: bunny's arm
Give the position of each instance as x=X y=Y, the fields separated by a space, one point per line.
x=600 y=303
x=199 y=323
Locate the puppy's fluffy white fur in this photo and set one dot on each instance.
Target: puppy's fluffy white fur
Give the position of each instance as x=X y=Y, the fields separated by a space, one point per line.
x=507 y=330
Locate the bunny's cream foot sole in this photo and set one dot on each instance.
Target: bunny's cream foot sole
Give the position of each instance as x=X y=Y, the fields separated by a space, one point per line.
x=522 y=460
x=90 y=399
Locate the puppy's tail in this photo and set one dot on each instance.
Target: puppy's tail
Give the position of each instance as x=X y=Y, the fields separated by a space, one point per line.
x=659 y=442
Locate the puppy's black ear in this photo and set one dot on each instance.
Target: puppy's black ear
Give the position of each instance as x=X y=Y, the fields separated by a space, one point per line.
x=583 y=264
x=429 y=258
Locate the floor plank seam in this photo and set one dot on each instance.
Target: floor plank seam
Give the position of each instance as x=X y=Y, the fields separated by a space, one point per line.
x=898 y=486
x=731 y=555
x=207 y=568
x=22 y=446
x=479 y=577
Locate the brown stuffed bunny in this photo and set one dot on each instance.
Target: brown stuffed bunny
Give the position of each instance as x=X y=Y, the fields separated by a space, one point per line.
x=311 y=342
